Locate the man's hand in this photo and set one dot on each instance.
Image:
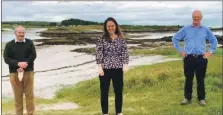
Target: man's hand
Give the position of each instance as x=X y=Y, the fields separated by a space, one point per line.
x=23 y=65
x=20 y=70
x=207 y=55
x=182 y=53
x=125 y=68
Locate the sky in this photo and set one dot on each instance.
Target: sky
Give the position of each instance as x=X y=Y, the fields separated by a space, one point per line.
x=125 y=12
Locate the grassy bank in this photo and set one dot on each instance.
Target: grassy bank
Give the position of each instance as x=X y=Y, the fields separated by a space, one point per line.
x=125 y=28
x=151 y=89
x=155 y=89
x=168 y=51
x=83 y=28
x=8 y=104
x=133 y=51
x=136 y=51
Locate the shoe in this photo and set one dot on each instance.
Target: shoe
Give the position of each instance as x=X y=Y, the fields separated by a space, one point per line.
x=202 y=102
x=185 y=102
x=119 y=114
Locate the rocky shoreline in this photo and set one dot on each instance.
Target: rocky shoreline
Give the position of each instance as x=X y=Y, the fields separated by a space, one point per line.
x=64 y=32
x=87 y=39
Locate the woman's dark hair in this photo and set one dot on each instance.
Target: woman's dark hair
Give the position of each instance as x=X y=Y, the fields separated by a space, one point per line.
x=117 y=29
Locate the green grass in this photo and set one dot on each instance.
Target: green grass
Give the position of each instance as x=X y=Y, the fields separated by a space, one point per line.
x=75 y=28
x=155 y=89
x=83 y=28
x=167 y=51
x=149 y=89
x=8 y=104
x=218 y=51
x=6 y=26
x=157 y=51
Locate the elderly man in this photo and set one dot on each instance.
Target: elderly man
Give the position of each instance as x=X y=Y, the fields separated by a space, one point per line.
x=194 y=55
x=20 y=54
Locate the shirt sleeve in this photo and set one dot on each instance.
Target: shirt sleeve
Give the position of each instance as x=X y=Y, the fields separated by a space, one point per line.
x=32 y=55
x=99 y=51
x=125 y=54
x=177 y=37
x=212 y=39
x=7 y=58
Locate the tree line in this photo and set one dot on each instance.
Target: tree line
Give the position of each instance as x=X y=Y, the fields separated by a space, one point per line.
x=67 y=22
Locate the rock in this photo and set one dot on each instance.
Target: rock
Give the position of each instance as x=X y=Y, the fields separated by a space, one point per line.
x=161 y=43
x=147 y=44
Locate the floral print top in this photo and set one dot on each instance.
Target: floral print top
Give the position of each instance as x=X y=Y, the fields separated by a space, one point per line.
x=112 y=55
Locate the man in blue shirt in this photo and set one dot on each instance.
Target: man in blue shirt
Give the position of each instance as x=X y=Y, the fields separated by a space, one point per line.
x=194 y=55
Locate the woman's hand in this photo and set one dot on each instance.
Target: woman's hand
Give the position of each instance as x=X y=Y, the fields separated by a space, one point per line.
x=100 y=70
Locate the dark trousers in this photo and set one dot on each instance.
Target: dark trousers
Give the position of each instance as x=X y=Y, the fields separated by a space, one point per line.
x=194 y=65
x=116 y=75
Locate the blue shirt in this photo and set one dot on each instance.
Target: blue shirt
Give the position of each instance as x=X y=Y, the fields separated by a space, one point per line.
x=195 y=39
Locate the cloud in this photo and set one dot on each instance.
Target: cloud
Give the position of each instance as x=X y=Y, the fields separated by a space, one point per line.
x=126 y=12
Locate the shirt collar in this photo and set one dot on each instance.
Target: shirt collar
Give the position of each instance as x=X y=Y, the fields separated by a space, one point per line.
x=24 y=40
x=192 y=25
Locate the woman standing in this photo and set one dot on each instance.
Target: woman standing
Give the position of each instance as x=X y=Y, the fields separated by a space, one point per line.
x=112 y=59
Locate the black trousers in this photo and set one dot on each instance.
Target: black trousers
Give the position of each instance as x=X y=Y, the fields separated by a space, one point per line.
x=194 y=65
x=116 y=75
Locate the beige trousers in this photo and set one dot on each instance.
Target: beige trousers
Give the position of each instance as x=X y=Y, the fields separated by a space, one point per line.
x=25 y=86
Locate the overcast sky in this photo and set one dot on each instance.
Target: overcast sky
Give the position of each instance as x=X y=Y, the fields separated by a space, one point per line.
x=125 y=12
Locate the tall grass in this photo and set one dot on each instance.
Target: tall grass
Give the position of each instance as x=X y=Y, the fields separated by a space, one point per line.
x=155 y=89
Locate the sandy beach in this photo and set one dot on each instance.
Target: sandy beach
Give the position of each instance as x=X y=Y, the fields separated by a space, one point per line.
x=56 y=67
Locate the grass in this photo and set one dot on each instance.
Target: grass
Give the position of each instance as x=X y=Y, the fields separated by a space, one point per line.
x=75 y=28
x=8 y=104
x=7 y=26
x=82 y=28
x=154 y=51
x=135 y=51
x=219 y=51
x=149 y=90
x=167 y=51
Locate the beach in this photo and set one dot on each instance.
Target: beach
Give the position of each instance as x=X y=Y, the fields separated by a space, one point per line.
x=55 y=67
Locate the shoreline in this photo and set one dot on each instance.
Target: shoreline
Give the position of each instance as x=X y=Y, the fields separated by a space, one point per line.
x=141 y=79
x=68 y=33
x=61 y=59
x=67 y=71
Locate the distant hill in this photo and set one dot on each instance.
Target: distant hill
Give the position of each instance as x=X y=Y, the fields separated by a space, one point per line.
x=66 y=22
x=76 y=22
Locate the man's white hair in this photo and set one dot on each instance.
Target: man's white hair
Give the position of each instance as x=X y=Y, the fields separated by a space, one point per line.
x=19 y=26
x=197 y=11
